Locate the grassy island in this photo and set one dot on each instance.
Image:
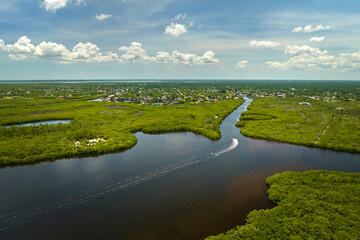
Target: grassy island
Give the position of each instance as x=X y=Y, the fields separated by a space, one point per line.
x=316 y=204
x=97 y=127
x=304 y=121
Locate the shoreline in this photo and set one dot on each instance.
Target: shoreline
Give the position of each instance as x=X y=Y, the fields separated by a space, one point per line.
x=298 y=144
x=216 y=136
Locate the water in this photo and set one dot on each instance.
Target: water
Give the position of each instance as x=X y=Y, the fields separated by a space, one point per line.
x=51 y=122
x=96 y=100
x=169 y=186
x=233 y=145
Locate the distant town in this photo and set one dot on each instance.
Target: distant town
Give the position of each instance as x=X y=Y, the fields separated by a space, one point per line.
x=153 y=94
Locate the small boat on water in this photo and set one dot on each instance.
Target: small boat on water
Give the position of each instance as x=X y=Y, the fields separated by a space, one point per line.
x=234 y=138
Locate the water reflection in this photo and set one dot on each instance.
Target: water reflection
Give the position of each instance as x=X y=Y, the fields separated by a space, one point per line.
x=50 y=122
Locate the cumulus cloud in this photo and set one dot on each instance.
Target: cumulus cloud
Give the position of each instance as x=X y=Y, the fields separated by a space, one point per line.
x=241 y=64
x=264 y=44
x=164 y=57
x=311 y=28
x=317 y=39
x=189 y=58
x=309 y=58
x=54 y=5
x=135 y=53
x=50 y=49
x=103 y=16
x=305 y=57
x=82 y=52
x=349 y=62
x=21 y=49
x=298 y=50
x=89 y=52
x=175 y=29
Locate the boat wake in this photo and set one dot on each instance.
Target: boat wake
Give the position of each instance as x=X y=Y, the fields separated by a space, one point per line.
x=233 y=145
x=21 y=216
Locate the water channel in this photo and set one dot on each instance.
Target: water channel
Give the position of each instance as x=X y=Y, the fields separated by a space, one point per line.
x=50 y=122
x=169 y=186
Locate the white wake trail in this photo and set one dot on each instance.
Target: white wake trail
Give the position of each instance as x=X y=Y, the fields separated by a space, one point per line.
x=233 y=145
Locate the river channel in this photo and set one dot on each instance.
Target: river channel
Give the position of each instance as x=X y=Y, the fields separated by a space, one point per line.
x=169 y=186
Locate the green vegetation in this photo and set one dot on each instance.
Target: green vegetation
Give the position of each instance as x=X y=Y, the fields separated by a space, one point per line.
x=129 y=107
x=316 y=204
x=333 y=125
x=113 y=123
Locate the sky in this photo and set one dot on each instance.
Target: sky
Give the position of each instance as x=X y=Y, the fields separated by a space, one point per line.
x=173 y=39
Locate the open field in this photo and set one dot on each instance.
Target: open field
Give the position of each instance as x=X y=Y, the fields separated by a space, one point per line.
x=332 y=125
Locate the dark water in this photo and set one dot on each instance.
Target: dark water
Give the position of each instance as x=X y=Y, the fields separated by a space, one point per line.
x=50 y=122
x=168 y=186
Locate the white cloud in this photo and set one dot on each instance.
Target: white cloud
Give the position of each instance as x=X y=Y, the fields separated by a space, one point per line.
x=311 y=28
x=50 y=49
x=297 y=29
x=54 y=5
x=306 y=57
x=277 y=65
x=309 y=58
x=241 y=64
x=349 y=61
x=175 y=29
x=181 y=16
x=264 y=44
x=164 y=57
x=134 y=53
x=103 y=16
x=23 y=45
x=298 y=50
x=84 y=51
x=317 y=39
x=21 y=49
x=89 y=52
x=208 y=57
x=189 y=58
x=18 y=57
x=2 y=44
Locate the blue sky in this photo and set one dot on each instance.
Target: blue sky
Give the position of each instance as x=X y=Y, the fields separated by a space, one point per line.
x=169 y=39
